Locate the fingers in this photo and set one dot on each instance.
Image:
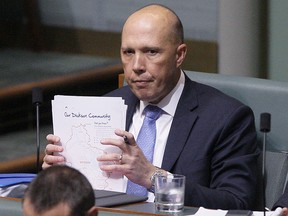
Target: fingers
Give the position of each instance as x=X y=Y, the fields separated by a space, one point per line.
x=113 y=158
x=45 y=165
x=129 y=162
x=113 y=163
x=52 y=146
x=126 y=144
x=50 y=158
x=120 y=158
x=51 y=149
x=128 y=138
x=125 y=140
x=52 y=138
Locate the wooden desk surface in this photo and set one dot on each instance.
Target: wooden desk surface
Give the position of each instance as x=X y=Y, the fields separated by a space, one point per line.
x=149 y=208
x=13 y=206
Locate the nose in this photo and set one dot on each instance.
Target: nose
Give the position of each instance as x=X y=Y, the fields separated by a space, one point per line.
x=138 y=63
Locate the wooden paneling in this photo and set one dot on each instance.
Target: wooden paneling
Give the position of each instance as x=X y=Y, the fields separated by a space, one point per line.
x=18 y=113
x=201 y=56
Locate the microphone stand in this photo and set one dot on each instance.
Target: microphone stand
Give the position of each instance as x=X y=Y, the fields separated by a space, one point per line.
x=265 y=119
x=37 y=100
x=263 y=171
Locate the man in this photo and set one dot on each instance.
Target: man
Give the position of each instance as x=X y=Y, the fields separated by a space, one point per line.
x=59 y=190
x=202 y=133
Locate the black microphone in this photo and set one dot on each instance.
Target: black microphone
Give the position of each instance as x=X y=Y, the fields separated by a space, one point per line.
x=265 y=123
x=37 y=98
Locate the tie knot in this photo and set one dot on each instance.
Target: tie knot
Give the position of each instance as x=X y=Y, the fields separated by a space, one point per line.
x=152 y=112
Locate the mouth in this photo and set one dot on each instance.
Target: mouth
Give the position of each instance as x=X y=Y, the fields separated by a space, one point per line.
x=142 y=83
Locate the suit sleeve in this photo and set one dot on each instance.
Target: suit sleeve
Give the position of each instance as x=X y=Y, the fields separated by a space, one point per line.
x=232 y=168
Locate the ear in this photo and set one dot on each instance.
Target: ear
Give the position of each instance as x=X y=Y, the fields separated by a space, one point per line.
x=181 y=53
x=92 y=211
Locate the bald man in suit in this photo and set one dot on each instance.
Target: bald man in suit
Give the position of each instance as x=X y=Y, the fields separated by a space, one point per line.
x=202 y=133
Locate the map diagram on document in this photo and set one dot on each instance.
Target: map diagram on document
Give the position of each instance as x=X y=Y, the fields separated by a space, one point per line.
x=80 y=127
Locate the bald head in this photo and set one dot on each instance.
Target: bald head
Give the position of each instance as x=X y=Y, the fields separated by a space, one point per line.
x=159 y=17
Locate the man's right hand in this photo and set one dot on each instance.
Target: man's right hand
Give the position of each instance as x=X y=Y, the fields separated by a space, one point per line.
x=51 y=148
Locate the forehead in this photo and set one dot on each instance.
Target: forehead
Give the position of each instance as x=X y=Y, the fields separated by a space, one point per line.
x=151 y=22
x=145 y=32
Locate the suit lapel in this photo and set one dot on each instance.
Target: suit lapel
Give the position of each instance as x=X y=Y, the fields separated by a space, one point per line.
x=132 y=103
x=183 y=121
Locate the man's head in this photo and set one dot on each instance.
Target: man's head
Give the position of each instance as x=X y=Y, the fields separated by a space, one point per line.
x=59 y=190
x=152 y=51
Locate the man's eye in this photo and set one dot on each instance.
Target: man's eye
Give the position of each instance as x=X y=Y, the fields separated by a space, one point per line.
x=127 y=52
x=152 y=52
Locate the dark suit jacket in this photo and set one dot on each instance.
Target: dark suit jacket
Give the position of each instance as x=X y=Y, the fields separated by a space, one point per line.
x=212 y=141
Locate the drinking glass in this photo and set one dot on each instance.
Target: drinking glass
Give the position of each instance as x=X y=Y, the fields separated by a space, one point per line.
x=169 y=193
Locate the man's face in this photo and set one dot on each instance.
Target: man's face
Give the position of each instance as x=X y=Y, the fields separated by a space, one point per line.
x=149 y=58
x=60 y=210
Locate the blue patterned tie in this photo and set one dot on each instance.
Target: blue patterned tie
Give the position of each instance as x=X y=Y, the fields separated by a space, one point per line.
x=146 y=141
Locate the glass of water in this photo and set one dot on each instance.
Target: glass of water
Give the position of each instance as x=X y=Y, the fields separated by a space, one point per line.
x=169 y=193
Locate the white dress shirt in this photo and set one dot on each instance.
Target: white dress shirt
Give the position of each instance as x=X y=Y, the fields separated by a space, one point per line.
x=163 y=124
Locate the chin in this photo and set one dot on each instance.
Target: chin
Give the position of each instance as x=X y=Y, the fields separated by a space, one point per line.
x=150 y=100
x=144 y=96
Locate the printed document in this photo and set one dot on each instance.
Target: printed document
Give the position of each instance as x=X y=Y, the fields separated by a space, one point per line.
x=81 y=122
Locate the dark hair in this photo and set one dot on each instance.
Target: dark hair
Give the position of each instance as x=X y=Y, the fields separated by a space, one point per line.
x=61 y=184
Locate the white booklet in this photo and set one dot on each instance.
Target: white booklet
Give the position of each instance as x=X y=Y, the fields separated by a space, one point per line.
x=81 y=122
